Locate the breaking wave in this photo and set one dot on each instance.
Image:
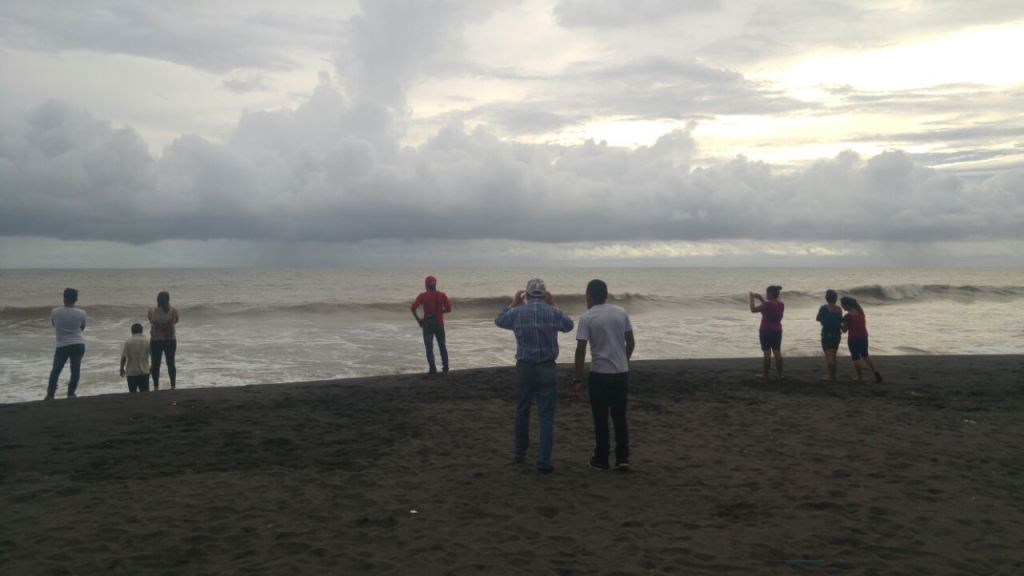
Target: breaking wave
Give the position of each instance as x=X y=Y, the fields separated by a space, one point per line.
x=486 y=306
x=882 y=294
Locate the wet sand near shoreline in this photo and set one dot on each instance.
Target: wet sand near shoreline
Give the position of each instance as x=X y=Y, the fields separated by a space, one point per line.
x=923 y=474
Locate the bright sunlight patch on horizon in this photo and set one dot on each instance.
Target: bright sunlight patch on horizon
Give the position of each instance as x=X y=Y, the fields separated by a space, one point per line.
x=987 y=55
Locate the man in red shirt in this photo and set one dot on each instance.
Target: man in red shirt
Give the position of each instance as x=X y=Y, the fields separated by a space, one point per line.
x=435 y=305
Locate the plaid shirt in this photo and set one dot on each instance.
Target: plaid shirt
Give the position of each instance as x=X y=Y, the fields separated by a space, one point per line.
x=536 y=325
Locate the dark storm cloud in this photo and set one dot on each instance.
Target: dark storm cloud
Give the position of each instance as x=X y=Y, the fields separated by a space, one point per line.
x=208 y=36
x=321 y=173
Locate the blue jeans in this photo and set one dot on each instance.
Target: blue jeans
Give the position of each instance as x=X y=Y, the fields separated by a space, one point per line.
x=540 y=381
x=73 y=352
x=428 y=343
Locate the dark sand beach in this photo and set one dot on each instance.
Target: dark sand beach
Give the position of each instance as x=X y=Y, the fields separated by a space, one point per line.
x=404 y=475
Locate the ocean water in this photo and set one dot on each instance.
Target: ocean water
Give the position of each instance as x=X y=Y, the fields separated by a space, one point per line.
x=261 y=326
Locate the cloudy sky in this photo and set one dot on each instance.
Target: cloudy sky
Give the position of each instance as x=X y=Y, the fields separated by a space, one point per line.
x=438 y=132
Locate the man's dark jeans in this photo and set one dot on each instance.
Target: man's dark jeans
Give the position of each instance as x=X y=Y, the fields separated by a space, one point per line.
x=429 y=333
x=138 y=383
x=608 y=395
x=73 y=352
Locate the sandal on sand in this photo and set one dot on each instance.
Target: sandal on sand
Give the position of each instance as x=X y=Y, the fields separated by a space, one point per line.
x=878 y=377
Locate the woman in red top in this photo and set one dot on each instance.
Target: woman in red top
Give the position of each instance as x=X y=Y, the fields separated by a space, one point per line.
x=855 y=325
x=770 y=332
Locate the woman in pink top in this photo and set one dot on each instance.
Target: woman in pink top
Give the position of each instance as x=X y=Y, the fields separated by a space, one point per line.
x=162 y=339
x=855 y=324
x=770 y=332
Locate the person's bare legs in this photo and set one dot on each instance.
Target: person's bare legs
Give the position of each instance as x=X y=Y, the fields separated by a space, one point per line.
x=860 y=370
x=767 y=364
x=830 y=361
x=778 y=361
x=169 y=347
x=871 y=363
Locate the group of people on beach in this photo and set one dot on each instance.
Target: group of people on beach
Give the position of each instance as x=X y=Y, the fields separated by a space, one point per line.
x=140 y=356
x=833 y=325
x=536 y=320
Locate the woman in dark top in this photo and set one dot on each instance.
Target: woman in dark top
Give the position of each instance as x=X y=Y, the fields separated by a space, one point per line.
x=770 y=332
x=831 y=317
x=855 y=324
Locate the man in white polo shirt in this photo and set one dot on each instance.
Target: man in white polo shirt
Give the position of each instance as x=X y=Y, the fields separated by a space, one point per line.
x=610 y=334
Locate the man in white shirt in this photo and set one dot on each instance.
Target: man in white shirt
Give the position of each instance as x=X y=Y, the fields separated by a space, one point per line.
x=608 y=330
x=69 y=322
x=135 y=360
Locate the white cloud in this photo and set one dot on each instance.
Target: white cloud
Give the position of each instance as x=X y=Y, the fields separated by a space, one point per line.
x=983 y=56
x=617 y=13
x=773 y=33
x=217 y=36
x=391 y=43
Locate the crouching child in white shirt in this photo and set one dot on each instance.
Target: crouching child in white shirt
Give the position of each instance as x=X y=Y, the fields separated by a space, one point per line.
x=135 y=360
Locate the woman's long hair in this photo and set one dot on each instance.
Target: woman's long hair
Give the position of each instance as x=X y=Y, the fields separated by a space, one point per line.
x=851 y=303
x=163 y=300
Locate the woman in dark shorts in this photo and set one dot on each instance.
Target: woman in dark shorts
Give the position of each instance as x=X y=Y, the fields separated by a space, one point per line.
x=831 y=317
x=770 y=332
x=855 y=325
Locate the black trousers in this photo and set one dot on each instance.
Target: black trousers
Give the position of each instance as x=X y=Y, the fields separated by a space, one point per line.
x=158 y=348
x=608 y=396
x=138 y=383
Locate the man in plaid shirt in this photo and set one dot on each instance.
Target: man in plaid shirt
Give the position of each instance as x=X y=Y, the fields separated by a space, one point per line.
x=536 y=321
